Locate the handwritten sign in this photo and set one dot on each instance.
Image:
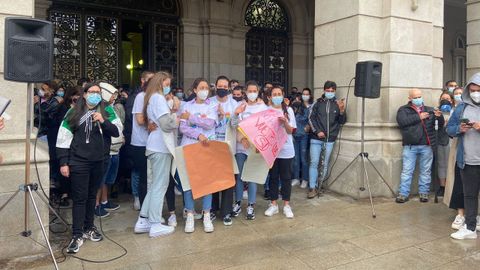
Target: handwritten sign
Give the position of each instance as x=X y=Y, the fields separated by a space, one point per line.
x=265 y=131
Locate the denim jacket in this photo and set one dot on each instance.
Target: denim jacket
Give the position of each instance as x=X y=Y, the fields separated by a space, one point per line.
x=453 y=130
x=302 y=121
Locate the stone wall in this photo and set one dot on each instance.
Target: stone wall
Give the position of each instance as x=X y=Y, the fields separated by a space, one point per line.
x=455 y=17
x=473 y=37
x=12 y=148
x=408 y=42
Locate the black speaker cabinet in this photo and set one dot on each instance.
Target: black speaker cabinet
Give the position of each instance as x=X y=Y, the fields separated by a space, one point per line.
x=28 y=50
x=368 y=78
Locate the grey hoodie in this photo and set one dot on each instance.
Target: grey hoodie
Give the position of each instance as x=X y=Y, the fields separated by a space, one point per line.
x=471 y=139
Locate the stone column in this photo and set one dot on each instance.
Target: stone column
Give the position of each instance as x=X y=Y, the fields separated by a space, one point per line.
x=473 y=37
x=300 y=62
x=408 y=41
x=12 y=149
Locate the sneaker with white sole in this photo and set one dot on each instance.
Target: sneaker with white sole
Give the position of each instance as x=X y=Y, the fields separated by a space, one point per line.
x=464 y=233
x=75 y=244
x=136 y=204
x=93 y=234
x=190 y=223
x=458 y=222
x=295 y=182
x=272 y=210
x=158 y=229
x=304 y=184
x=287 y=211
x=162 y=220
x=196 y=215
x=207 y=223
x=172 y=220
x=237 y=209
x=250 y=212
x=227 y=220
x=142 y=225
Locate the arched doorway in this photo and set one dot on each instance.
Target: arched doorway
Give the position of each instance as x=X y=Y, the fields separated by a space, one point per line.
x=114 y=40
x=266 y=45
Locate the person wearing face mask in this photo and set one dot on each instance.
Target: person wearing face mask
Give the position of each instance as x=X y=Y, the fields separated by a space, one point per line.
x=83 y=143
x=325 y=120
x=224 y=131
x=457 y=95
x=180 y=94
x=443 y=142
x=450 y=86
x=300 y=138
x=465 y=125
x=417 y=124
x=237 y=93
x=197 y=124
x=254 y=104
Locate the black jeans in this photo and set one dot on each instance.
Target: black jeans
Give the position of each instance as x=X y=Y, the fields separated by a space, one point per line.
x=281 y=171
x=52 y=134
x=471 y=187
x=170 y=194
x=140 y=165
x=226 y=203
x=84 y=178
x=456 y=200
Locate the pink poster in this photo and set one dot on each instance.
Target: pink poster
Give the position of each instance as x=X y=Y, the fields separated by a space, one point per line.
x=265 y=131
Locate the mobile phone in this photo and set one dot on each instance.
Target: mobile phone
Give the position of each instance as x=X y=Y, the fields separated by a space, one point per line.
x=466 y=121
x=4 y=102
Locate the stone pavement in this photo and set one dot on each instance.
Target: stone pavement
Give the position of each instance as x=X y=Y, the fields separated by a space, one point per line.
x=331 y=232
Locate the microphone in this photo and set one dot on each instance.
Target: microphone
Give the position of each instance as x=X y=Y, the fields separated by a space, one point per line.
x=99 y=125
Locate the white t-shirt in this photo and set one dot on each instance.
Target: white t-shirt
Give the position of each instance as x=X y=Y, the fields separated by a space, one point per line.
x=288 y=150
x=139 y=132
x=249 y=110
x=157 y=107
x=203 y=110
x=228 y=107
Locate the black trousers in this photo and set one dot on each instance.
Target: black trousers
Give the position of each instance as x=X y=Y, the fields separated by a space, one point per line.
x=52 y=134
x=225 y=203
x=456 y=200
x=170 y=194
x=140 y=165
x=281 y=171
x=471 y=187
x=84 y=178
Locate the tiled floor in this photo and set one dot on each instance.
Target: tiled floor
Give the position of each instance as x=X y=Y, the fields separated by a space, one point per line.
x=330 y=232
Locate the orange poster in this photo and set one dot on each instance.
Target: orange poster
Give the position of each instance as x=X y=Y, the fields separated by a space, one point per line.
x=209 y=167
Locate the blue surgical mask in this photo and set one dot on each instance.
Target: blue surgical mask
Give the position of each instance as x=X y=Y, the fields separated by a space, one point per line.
x=329 y=95
x=418 y=101
x=60 y=93
x=93 y=99
x=451 y=89
x=166 y=90
x=179 y=95
x=458 y=98
x=277 y=100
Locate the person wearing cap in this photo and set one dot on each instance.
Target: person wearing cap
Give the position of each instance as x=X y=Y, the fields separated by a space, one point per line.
x=103 y=205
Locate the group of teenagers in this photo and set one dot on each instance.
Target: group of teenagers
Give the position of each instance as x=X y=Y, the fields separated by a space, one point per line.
x=91 y=128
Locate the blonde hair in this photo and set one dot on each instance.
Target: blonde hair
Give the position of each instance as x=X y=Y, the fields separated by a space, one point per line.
x=155 y=85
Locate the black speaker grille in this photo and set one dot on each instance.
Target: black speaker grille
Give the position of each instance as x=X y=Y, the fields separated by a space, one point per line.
x=27 y=61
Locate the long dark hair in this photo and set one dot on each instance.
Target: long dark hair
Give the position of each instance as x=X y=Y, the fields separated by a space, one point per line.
x=81 y=108
x=284 y=106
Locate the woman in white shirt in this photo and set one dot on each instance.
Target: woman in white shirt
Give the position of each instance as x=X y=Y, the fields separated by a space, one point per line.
x=282 y=167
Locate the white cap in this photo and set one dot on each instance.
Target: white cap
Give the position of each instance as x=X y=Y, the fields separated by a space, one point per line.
x=107 y=91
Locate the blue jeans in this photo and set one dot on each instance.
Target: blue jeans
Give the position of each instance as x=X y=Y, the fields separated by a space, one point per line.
x=190 y=203
x=252 y=187
x=300 y=163
x=410 y=154
x=135 y=179
x=112 y=170
x=315 y=151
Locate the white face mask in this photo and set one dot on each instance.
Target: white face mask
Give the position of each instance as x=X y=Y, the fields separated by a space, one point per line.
x=252 y=96
x=202 y=94
x=475 y=97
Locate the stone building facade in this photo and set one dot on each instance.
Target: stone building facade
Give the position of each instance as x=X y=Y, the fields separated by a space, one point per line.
x=421 y=43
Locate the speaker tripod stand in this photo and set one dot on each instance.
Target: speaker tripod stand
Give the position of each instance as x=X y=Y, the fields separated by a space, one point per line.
x=363 y=156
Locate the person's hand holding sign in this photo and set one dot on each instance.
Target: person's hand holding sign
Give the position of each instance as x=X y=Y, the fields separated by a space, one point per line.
x=203 y=139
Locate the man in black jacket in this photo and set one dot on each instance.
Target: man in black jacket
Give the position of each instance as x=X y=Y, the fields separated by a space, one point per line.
x=325 y=119
x=418 y=124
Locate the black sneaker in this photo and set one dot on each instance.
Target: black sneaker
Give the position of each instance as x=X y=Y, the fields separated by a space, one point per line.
x=441 y=192
x=423 y=198
x=110 y=206
x=75 y=244
x=250 y=212
x=93 y=234
x=266 y=195
x=237 y=209
x=227 y=220
x=101 y=212
x=401 y=199
x=213 y=216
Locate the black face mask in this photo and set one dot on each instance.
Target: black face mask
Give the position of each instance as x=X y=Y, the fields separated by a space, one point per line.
x=121 y=100
x=238 y=98
x=222 y=92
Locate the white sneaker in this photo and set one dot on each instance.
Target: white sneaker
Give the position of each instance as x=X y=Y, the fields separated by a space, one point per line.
x=272 y=210
x=162 y=220
x=304 y=184
x=207 y=223
x=287 y=211
x=142 y=225
x=158 y=229
x=177 y=192
x=136 y=204
x=172 y=220
x=189 y=223
x=464 y=233
x=478 y=223
x=196 y=215
x=245 y=195
x=458 y=222
x=295 y=182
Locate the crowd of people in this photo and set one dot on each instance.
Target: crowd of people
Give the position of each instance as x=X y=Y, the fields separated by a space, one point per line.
x=98 y=134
